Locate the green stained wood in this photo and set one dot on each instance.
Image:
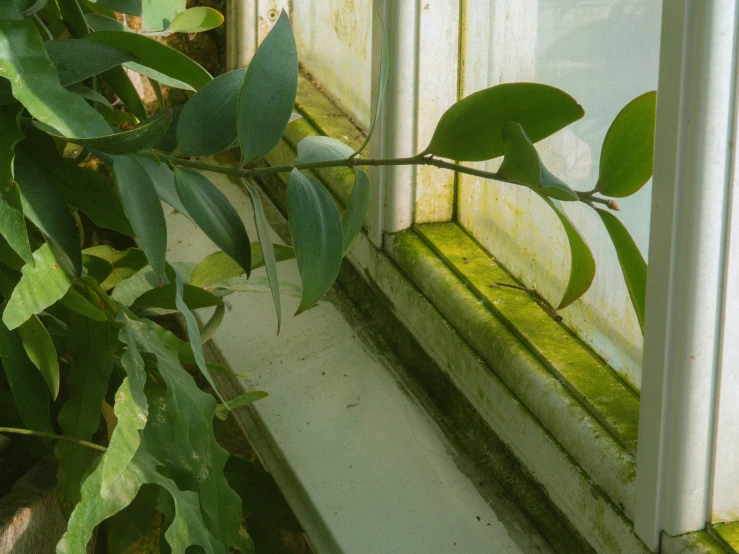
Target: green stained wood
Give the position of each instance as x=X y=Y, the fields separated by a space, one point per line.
x=614 y=404
x=728 y=534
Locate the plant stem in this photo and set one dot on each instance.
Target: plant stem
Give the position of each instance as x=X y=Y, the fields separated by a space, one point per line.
x=354 y=162
x=41 y=434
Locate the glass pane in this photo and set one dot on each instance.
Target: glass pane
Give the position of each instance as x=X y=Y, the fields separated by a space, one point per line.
x=604 y=53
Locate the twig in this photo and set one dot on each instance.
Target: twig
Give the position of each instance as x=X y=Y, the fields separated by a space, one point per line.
x=52 y=436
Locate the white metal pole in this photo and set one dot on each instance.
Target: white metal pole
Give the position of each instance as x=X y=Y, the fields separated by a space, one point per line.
x=685 y=294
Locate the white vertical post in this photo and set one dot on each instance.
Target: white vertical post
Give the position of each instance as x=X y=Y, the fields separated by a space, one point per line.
x=686 y=290
x=395 y=135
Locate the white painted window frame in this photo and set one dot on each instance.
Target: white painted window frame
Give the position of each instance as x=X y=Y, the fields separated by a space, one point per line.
x=688 y=459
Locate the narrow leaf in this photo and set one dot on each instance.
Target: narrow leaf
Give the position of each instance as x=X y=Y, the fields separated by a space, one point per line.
x=121 y=85
x=156 y=60
x=632 y=263
x=384 y=71
x=315 y=227
x=35 y=82
x=34 y=8
x=79 y=417
x=268 y=93
x=214 y=214
x=207 y=124
x=264 y=232
x=163 y=180
x=41 y=285
x=125 y=142
x=12 y=222
x=582 y=268
x=627 y=154
x=356 y=209
x=164 y=298
x=196 y=20
x=41 y=351
x=245 y=399
x=76 y=302
x=218 y=266
x=471 y=130
x=73 y=17
x=46 y=208
x=143 y=208
x=76 y=60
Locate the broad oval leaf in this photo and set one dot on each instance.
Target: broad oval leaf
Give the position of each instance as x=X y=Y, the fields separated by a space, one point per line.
x=46 y=208
x=125 y=142
x=156 y=60
x=582 y=268
x=41 y=285
x=164 y=297
x=76 y=60
x=196 y=20
x=356 y=209
x=41 y=351
x=163 y=179
x=143 y=208
x=633 y=266
x=320 y=149
x=268 y=93
x=522 y=165
x=315 y=227
x=471 y=130
x=207 y=124
x=35 y=82
x=627 y=154
x=157 y=15
x=219 y=266
x=214 y=214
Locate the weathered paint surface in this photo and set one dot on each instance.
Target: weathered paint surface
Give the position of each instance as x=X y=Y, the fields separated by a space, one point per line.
x=569 y=45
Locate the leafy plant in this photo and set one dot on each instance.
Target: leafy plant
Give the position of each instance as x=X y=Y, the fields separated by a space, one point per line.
x=77 y=334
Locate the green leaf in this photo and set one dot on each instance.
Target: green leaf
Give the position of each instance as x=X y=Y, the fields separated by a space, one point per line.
x=240 y=401
x=46 y=208
x=76 y=302
x=79 y=417
x=384 y=71
x=261 y=498
x=320 y=149
x=41 y=285
x=82 y=187
x=134 y=521
x=129 y=290
x=99 y=22
x=264 y=233
x=121 y=85
x=163 y=180
x=143 y=208
x=12 y=221
x=196 y=20
x=582 y=268
x=207 y=124
x=256 y=284
x=633 y=266
x=125 y=142
x=268 y=93
x=41 y=351
x=356 y=209
x=193 y=330
x=73 y=17
x=218 y=266
x=98 y=268
x=34 y=8
x=30 y=393
x=214 y=214
x=627 y=154
x=89 y=94
x=130 y=7
x=159 y=14
x=125 y=264
x=315 y=227
x=168 y=142
x=471 y=130
x=522 y=165
x=35 y=82
x=77 y=60
x=164 y=297
x=156 y=60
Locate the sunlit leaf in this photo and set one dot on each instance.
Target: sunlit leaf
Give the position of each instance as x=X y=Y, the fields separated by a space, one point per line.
x=12 y=221
x=471 y=130
x=218 y=266
x=214 y=214
x=76 y=60
x=196 y=20
x=315 y=227
x=164 y=297
x=124 y=264
x=632 y=263
x=41 y=351
x=627 y=154
x=207 y=124
x=158 y=14
x=268 y=93
x=41 y=285
x=143 y=208
x=239 y=402
x=35 y=81
x=319 y=149
x=582 y=267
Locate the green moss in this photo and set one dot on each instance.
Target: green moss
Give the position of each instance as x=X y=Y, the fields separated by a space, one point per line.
x=728 y=534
